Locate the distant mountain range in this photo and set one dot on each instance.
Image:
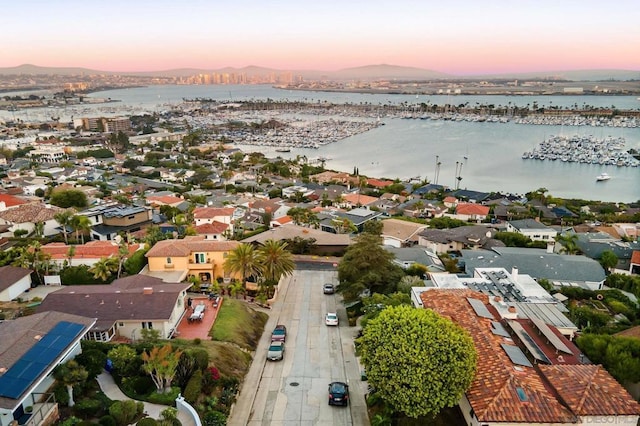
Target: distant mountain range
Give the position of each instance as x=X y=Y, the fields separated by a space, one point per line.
x=368 y=72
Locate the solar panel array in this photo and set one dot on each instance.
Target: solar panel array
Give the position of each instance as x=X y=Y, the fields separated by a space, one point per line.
x=480 y=309
x=528 y=341
x=17 y=379
x=551 y=336
x=516 y=355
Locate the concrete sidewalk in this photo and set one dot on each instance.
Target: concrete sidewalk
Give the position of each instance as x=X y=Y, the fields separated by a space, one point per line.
x=111 y=390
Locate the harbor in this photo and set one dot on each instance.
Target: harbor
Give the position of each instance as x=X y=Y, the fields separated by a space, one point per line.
x=608 y=151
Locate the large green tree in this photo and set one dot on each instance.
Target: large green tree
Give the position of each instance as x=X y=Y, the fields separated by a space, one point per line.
x=66 y=198
x=70 y=374
x=367 y=266
x=608 y=260
x=417 y=361
x=275 y=260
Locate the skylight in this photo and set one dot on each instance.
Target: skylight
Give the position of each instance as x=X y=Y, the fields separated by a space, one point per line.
x=522 y=395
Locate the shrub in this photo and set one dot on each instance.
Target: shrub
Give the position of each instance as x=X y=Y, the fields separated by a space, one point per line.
x=201 y=357
x=107 y=420
x=164 y=398
x=147 y=421
x=85 y=423
x=93 y=360
x=126 y=412
x=126 y=361
x=194 y=388
x=71 y=421
x=61 y=394
x=87 y=408
x=214 y=418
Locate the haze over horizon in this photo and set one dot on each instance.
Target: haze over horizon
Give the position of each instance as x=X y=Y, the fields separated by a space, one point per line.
x=460 y=38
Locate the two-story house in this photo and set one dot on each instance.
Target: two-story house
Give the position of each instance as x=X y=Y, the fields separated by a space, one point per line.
x=107 y=221
x=176 y=260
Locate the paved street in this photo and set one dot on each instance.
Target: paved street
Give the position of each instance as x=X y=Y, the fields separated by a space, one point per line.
x=294 y=391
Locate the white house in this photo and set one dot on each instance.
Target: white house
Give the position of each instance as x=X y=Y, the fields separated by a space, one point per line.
x=13 y=282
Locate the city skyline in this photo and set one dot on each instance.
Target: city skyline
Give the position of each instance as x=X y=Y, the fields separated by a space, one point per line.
x=458 y=38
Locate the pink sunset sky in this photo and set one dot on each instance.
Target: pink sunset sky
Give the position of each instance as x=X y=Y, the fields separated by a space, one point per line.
x=457 y=37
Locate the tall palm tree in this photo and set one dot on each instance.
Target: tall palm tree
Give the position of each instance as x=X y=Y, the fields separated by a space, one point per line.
x=80 y=224
x=275 y=260
x=123 y=254
x=243 y=259
x=70 y=253
x=39 y=229
x=64 y=219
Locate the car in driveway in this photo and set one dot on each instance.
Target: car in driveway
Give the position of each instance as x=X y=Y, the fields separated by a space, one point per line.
x=328 y=288
x=279 y=333
x=331 y=318
x=338 y=393
x=276 y=351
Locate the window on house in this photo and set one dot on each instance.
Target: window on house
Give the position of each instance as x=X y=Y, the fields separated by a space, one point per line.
x=144 y=325
x=120 y=324
x=168 y=260
x=200 y=258
x=150 y=325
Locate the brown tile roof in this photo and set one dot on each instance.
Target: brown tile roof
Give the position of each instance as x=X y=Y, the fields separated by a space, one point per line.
x=124 y=299
x=10 y=275
x=211 y=212
x=182 y=248
x=168 y=200
x=401 y=229
x=635 y=257
x=359 y=199
x=493 y=394
x=633 y=332
x=589 y=390
x=32 y=213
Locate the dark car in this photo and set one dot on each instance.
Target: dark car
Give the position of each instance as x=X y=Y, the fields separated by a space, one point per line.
x=328 y=288
x=279 y=333
x=338 y=393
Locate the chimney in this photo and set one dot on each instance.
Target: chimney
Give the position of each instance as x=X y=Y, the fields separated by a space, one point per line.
x=512 y=313
x=514 y=273
x=147 y=290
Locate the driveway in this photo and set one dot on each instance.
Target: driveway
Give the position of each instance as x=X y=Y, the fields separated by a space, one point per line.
x=294 y=390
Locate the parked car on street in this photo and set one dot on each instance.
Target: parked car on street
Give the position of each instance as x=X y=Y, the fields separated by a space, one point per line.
x=276 y=351
x=279 y=333
x=338 y=393
x=328 y=288
x=331 y=318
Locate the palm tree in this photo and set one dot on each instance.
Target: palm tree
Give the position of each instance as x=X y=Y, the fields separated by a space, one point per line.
x=103 y=268
x=70 y=374
x=80 y=223
x=275 y=261
x=70 y=253
x=569 y=243
x=64 y=219
x=123 y=253
x=243 y=259
x=39 y=229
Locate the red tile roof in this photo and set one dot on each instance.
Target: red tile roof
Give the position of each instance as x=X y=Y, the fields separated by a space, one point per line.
x=635 y=257
x=472 y=209
x=11 y=201
x=90 y=250
x=168 y=200
x=377 y=183
x=212 y=228
x=589 y=390
x=493 y=395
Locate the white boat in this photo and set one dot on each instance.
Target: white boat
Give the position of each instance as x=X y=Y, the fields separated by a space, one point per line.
x=602 y=176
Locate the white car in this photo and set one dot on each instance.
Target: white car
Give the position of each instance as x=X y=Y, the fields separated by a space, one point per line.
x=331 y=318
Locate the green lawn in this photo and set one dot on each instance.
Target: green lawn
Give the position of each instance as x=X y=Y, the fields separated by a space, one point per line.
x=237 y=323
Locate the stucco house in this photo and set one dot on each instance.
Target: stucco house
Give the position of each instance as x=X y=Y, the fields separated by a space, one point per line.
x=178 y=259
x=13 y=282
x=124 y=307
x=533 y=229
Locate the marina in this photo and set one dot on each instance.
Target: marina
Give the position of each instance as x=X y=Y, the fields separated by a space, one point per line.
x=584 y=149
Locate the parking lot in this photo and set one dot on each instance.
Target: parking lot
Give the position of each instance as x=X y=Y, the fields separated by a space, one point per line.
x=294 y=391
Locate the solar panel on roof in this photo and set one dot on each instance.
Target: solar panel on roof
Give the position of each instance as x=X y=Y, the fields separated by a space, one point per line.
x=497 y=328
x=528 y=341
x=550 y=335
x=480 y=309
x=17 y=379
x=516 y=355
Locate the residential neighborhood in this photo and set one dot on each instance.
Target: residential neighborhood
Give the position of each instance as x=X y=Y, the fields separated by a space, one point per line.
x=114 y=244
